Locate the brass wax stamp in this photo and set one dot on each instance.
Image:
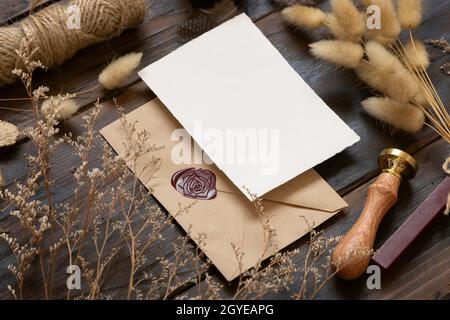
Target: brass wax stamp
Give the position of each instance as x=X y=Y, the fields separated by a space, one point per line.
x=353 y=252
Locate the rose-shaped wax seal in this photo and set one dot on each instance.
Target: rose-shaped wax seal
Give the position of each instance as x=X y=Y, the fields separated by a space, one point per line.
x=195 y=183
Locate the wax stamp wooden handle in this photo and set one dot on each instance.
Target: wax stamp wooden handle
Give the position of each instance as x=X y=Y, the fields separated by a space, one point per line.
x=354 y=250
x=352 y=254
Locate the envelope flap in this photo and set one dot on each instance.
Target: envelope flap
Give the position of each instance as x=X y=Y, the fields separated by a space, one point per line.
x=308 y=190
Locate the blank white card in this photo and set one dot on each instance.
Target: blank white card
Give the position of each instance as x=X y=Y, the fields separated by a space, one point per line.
x=246 y=107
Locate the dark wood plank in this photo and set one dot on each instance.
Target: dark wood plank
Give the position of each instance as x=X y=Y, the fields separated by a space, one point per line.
x=422 y=273
x=14 y=10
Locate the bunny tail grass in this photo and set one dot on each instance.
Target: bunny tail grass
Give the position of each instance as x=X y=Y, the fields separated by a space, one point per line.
x=417 y=55
x=339 y=52
x=390 y=26
x=409 y=13
x=335 y=28
x=60 y=107
x=351 y=21
x=304 y=16
x=386 y=73
x=117 y=72
x=405 y=117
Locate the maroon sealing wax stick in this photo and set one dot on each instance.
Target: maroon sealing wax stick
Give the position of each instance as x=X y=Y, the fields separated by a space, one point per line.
x=413 y=226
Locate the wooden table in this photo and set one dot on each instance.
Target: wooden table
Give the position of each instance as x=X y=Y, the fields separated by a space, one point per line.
x=422 y=273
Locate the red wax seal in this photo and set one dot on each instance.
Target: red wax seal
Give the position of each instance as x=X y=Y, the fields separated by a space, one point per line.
x=195 y=183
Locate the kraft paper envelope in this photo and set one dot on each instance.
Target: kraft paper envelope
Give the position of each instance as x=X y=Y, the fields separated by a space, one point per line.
x=229 y=218
x=232 y=77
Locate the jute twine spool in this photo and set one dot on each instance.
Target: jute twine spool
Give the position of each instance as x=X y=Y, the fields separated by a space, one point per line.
x=48 y=30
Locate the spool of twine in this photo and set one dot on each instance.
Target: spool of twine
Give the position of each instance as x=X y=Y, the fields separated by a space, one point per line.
x=48 y=30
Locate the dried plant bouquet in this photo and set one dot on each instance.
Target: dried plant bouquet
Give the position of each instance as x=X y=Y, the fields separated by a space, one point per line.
x=371 y=48
x=396 y=72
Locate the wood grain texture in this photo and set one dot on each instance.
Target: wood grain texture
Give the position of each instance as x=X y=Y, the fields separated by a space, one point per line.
x=423 y=271
x=11 y=11
x=352 y=254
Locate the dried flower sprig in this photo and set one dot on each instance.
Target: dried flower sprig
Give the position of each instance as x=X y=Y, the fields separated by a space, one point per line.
x=445 y=46
x=446 y=68
x=118 y=71
x=62 y=107
x=439 y=43
x=304 y=16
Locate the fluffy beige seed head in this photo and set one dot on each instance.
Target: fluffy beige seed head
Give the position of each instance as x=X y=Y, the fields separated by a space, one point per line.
x=390 y=25
x=421 y=100
x=405 y=117
x=117 y=72
x=304 y=16
x=386 y=73
x=351 y=21
x=339 y=52
x=61 y=107
x=417 y=55
x=410 y=13
x=334 y=27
